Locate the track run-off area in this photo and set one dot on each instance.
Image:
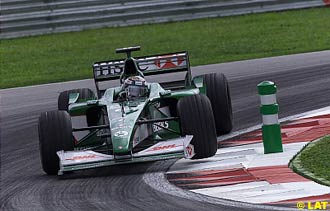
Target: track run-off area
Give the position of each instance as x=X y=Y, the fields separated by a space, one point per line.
x=303 y=82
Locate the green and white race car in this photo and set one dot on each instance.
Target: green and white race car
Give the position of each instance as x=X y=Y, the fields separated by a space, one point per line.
x=136 y=121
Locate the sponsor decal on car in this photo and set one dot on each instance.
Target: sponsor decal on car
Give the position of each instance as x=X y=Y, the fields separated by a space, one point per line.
x=121 y=126
x=83 y=157
x=189 y=151
x=121 y=133
x=170 y=61
x=159 y=126
x=158 y=148
x=188 y=148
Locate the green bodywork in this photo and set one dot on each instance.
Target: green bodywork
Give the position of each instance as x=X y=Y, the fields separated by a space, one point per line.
x=123 y=116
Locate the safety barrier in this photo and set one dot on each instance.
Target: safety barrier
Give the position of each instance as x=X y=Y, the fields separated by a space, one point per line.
x=33 y=17
x=271 y=129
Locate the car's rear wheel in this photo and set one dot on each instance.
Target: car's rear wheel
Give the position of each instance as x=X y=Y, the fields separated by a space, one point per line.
x=196 y=118
x=55 y=133
x=84 y=95
x=217 y=90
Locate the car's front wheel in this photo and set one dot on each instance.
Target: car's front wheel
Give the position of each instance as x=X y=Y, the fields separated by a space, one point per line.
x=196 y=118
x=55 y=134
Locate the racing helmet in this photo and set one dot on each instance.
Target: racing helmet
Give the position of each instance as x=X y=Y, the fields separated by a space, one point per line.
x=135 y=86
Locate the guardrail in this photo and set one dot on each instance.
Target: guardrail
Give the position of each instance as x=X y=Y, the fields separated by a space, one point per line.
x=34 y=17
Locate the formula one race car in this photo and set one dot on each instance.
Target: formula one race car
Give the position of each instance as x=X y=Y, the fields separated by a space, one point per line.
x=137 y=121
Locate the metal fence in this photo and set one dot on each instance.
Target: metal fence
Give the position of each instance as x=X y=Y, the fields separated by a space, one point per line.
x=33 y=17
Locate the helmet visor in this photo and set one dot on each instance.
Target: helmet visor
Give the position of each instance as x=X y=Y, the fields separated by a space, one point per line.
x=136 y=91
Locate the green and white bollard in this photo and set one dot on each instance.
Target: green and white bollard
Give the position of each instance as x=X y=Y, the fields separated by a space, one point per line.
x=271 y=129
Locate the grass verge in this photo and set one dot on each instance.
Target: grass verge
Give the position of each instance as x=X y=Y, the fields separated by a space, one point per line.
x=69 y=56
x=313 y=161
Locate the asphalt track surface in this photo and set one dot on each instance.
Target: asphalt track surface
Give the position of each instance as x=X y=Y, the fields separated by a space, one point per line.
x=304 y=84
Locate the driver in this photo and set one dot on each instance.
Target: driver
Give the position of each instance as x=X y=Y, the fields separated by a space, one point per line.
x=135 y=87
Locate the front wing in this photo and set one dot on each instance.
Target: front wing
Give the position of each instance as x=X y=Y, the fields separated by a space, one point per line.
x=86 y=159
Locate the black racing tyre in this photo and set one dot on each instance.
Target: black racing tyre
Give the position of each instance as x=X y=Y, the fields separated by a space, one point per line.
x=217 y=90
x=84 y=94
x=196 y=118
x=55 y=133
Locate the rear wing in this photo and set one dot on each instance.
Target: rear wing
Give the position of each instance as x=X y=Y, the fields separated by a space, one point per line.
x=148 y=65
